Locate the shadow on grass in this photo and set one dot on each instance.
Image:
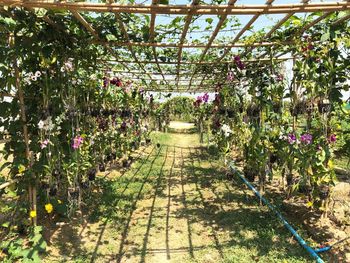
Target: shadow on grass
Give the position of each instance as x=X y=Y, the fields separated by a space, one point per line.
x=214 y=203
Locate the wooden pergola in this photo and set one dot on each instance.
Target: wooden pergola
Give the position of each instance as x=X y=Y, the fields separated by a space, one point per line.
x=80 y=10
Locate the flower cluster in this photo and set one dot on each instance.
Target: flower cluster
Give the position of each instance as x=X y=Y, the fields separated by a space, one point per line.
x=306 y=138
x=239 y=62
x=77 y=141
x=28 y=78
x=46 y=125
x=44 y=144
x=291 y=138
x=226 y=130
x=201 y=99
x=49 y=208
x=67 y=66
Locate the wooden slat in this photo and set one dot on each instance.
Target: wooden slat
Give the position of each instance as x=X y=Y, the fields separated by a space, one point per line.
x=122 y=27
x=183 y=37
x=151 y=39
x=90 y=29
x=196 y=62
x=190 y=45
x=183 y=9
x=212 y=37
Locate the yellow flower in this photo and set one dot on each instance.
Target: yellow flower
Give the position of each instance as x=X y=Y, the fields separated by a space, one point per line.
x=330 y=164
x=32 y=213
x=21 y=168
x=338 y=127
x=49 y=208
x=59 y=201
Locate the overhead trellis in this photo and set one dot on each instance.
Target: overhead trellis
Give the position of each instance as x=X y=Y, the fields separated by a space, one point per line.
x=137 y=50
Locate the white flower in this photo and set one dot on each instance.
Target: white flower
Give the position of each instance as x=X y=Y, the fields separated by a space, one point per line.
x=226 y=130
x=33 y=78
x=62 y=69
x=93 y=77
x=41 y=124
x=38 y=74
x=74 y=82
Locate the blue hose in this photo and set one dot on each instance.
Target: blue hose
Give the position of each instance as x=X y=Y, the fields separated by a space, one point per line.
x=301 y=241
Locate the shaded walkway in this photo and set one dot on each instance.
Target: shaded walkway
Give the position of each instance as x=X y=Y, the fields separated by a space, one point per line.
x=175 y=205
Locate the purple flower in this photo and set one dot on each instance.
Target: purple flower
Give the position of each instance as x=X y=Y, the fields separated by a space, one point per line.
x=205 y=97
x=240 y=65
x=77 y=141
x=332 y=138
x=105 y=82
x=291 y=138
x=306 y=138
x=236 y=58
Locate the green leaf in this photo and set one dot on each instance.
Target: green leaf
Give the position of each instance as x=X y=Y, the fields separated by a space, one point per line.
x=164 y=2
x=111 y=37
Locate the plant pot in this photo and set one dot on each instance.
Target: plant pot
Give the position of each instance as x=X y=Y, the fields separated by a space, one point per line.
x=298 y=109
x=324 y=192
x=92 y=174
x=73 y=193
x=102 y=167
x=230 y=113
x=250 y=175
x=125 y=163
x=53 y=191
x=253 y=111
x=324 y=106
x=229 y=176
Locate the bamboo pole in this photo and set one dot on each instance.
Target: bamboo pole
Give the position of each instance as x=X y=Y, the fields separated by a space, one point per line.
x=183 y=9
x=32 y=188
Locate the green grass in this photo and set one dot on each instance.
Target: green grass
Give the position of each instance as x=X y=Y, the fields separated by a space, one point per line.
x=174 y=205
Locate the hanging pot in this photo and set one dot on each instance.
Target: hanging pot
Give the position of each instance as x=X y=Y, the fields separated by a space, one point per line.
x=324 y=106
x=324 y=191
x=102 y=167
x=92 y=174
x=125 y=163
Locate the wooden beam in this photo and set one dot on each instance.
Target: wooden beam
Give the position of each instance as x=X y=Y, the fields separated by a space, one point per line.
x=197 y=62
x=151 y=39
x=85 y=24
x=183 y=37
x=213 y=36
x=341 y=20
x=190 y=45
x=182 y=9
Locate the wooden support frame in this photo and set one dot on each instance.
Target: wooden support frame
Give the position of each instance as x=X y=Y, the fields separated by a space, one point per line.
x=241 y=32
x=213 y=36
x=182 y=9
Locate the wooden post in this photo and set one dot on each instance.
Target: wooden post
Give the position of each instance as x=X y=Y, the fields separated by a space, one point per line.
x=32 y=188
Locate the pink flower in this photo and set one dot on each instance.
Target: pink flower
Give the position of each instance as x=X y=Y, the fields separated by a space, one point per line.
x=332 y=138
x=230 y=76
x=44 y=144
x=77 y=141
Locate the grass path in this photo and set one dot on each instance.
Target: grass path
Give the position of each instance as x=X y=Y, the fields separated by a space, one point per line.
x=174 y=205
